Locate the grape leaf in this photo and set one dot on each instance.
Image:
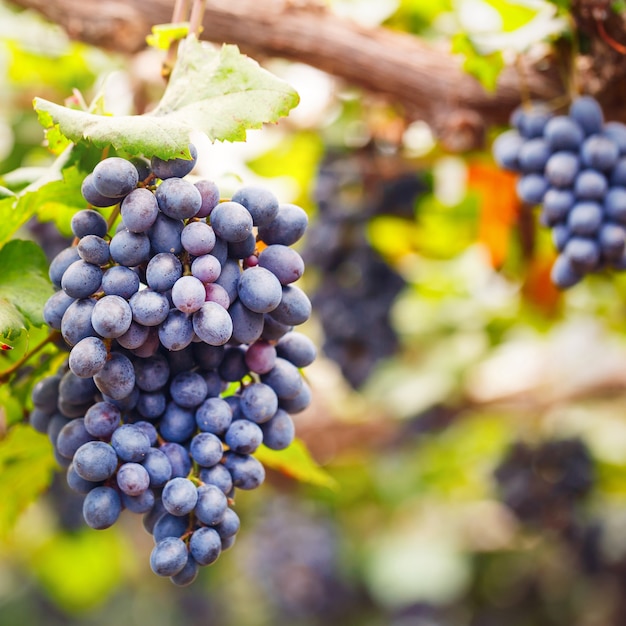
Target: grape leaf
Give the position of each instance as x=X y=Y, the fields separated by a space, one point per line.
x=219 y=92
x=26 y=467
x=18 y=208
x=296 y=461
x=24 y=287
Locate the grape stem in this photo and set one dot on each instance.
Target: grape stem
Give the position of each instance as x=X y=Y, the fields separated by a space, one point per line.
x=6 y=375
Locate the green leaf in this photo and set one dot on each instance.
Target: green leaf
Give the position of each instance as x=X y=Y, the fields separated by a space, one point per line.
x=219 y=92
x=16 y=210
x=296 y=461
x=24 y=287
x=26 y=467
x=484 y=67
x=163 y=35
x=59 y=200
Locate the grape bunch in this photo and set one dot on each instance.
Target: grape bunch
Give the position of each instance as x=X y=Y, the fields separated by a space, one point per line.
x=182 y=355
x=357 y=286
x=574 y=166
x=543 y=484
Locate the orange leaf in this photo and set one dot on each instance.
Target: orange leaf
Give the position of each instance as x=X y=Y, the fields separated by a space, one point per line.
x=499 y=208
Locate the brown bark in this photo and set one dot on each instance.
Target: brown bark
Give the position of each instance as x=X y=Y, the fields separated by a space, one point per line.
x=425 y=81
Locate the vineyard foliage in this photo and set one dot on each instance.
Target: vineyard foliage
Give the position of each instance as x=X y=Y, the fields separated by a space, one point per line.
x=462 y=461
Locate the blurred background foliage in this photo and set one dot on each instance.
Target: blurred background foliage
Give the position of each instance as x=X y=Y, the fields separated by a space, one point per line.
x=470 y=417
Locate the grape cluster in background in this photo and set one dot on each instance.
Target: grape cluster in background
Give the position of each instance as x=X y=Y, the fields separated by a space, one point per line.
x=357 y=286
x=182 y=355
x=574 y=166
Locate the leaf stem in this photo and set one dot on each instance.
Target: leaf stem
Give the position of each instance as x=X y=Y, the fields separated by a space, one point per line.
x=181 y=9
x=4 y=376
x=197 y=13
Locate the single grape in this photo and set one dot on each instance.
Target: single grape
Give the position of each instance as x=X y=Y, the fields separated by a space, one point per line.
x=76 y=321
x=130 y=443
x=88 y=357
x=259 y=289
x=117 y=378
x=583 y=254
x=198 y=238
x=102 y=419
x=562 y=169
x=95 y=461
x=205 y=546
x=247 y=471
x=188 y=389
x=88 y=222
x=133 y=479
x=101 y=507
x=279 y=432
x=599 y=152
x=111 y=316
x=139 y=210
x=211 y=505
x=165 y=235
x=177 y=424
x=506 y=149
x=531 y=188
x=247 y=324
x=284 y=262
x=210 y=197
x=563 y=274
x=93 y=249
x=81 y=279
x=179 y=496
x=563 y=133
x=206 y=449
x=148 y=307
x=214 y=415
x=294 y=307
x=259 y=402
x=115 y=177
x=120 y=281
x=178 y=199
x=71 y=437
x=587 y=112
x=217 y=475
x=287 y=227
x=188 y=294
x=231 y=221
x=168 y=557
x=130 y=249
x=141 y=503
x=176 y=167
x=158 y=466
x=243 y=436
x=178 y=457
x=212 y=324
x=533 y=155
x=284 y=378
x=163 y=270
x=176 y=331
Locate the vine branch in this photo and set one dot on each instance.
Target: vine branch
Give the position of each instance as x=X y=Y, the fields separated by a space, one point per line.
x=425 y=80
